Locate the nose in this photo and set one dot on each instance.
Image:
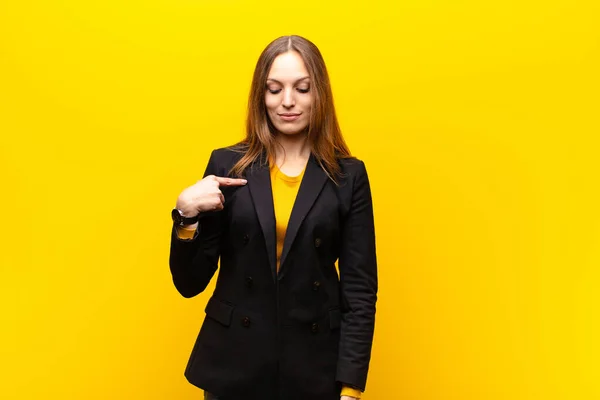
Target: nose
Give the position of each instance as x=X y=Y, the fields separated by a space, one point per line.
x=288 y=98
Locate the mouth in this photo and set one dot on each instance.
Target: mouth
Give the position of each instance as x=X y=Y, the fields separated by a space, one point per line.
x=289 y=116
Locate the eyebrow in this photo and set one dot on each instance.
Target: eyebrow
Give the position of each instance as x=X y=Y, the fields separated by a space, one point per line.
x=296 y=81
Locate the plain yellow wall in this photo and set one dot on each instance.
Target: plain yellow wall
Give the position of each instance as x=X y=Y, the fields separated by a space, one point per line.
x=478 y=122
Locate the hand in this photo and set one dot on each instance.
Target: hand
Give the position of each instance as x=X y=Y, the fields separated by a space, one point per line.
x=347 y=398
x=205 y=195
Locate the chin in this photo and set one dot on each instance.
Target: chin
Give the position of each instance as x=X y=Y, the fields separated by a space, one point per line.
x=290 y=131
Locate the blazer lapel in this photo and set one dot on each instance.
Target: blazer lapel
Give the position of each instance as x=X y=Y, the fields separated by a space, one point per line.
x=259 y=184
x=312 y=183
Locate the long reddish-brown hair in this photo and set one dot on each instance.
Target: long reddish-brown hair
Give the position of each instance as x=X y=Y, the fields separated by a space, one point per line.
x=324 y=135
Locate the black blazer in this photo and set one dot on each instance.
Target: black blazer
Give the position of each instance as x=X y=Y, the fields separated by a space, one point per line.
x=296 y=334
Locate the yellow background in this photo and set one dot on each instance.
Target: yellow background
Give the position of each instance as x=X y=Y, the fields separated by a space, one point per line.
x=478 y=122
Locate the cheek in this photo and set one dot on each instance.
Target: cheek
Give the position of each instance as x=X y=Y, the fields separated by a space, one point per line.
x=271 y=103
x=307 y=102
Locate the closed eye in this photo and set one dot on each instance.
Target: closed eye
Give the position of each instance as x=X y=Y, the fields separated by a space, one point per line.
x=300 y=90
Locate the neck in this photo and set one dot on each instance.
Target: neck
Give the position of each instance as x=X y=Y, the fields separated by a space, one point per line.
x=291 y=148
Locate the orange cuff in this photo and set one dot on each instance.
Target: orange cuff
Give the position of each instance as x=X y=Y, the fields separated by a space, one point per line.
x=348 y=391
x=185 y=233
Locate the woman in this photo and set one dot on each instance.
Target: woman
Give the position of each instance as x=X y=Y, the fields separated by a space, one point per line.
x=278 y=210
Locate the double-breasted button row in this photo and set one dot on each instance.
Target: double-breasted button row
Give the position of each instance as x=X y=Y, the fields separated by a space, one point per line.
x=314 y=328
x=246 y=238
x=316 y=286
x=246 y=322
x=318 y=242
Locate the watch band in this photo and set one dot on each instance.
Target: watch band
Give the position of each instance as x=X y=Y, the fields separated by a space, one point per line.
x=181 y=220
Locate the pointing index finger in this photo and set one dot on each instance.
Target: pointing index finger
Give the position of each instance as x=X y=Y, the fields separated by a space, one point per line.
x=230 y=181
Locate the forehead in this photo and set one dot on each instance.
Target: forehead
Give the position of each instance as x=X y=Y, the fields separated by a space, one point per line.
x=287 y=66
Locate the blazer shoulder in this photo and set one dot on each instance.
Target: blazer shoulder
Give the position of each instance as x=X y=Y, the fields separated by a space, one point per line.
x=351 y=162
x=352 y=166
x=222 y=159
x=227 y=156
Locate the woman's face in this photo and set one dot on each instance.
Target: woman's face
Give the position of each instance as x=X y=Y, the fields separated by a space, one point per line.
x=288 y=96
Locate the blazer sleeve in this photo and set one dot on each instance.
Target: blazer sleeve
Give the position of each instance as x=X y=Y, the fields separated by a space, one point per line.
x=194 y=261
x=358 y=281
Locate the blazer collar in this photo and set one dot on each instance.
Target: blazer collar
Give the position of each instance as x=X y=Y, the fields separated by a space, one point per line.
x=259 y=184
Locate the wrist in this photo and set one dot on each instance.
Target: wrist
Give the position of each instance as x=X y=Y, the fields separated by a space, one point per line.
x=191 y=227
x=180 y=218
x=186 y=207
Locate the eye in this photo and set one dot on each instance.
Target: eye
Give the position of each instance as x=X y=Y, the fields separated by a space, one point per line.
x=303 y=90
x=273 y=91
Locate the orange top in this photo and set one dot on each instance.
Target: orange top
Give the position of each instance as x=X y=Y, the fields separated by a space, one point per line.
x=285 y=188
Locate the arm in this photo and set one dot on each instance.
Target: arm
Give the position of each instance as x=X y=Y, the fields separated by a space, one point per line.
x=193 y=261
x=358 y=280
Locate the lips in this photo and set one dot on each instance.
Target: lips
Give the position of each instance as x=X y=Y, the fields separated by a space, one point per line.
x=289 y=116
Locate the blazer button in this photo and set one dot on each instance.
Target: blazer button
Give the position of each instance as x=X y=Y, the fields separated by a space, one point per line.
x=316 y=285
x=246 y=321
x=317 y=242
x=249 y=281
x=246 y=239
x=314 y=328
